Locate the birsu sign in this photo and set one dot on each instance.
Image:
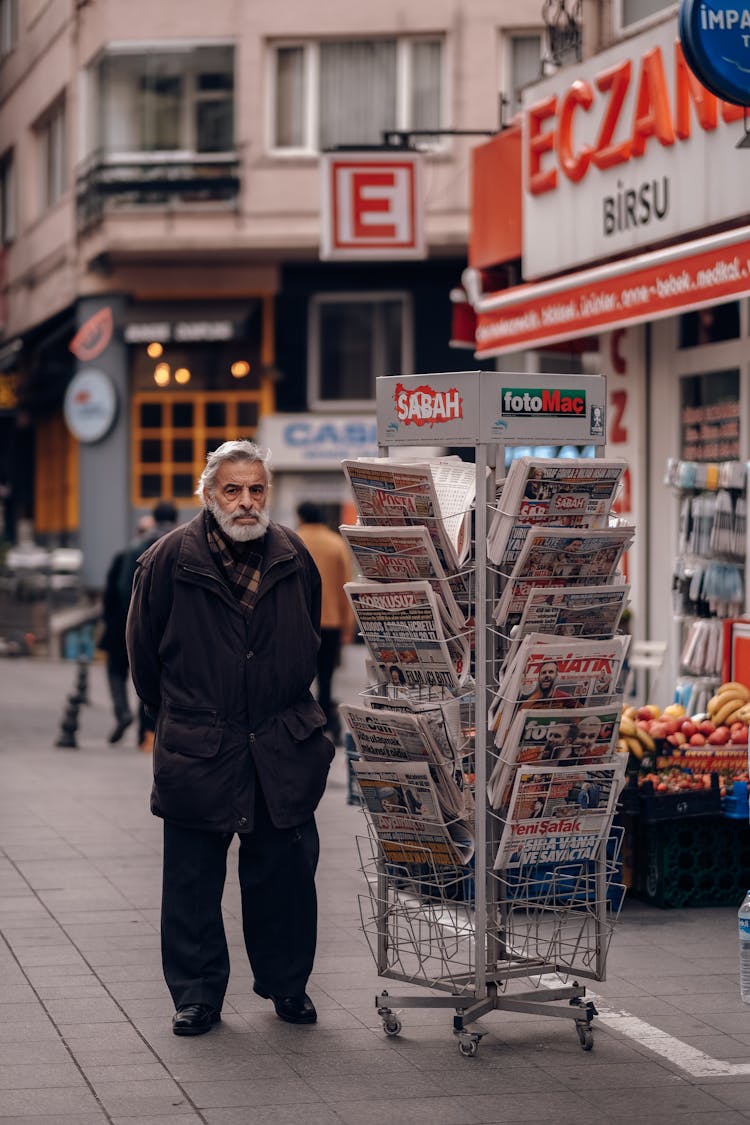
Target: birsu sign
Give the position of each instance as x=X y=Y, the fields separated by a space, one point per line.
x=627 y=151
x=425 y=406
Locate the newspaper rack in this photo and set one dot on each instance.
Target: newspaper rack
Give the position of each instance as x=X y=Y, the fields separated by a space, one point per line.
x=466 y=935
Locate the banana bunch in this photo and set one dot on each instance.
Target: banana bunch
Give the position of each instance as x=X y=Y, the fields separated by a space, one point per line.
x=731 y=704
x=633 y=739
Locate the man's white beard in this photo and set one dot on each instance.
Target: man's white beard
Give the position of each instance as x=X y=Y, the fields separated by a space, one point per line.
x=240 y=533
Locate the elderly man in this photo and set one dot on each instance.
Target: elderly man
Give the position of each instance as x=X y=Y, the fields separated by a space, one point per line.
x=223 y=634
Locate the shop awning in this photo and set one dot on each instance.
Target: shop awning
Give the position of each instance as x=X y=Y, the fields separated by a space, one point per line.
x=628 y=291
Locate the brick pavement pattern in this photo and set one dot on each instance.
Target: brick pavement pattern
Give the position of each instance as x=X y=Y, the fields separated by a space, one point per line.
x=85 y=1033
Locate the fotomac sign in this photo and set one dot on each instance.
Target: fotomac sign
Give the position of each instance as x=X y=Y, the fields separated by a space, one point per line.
x=627 y=150
x=371 y=206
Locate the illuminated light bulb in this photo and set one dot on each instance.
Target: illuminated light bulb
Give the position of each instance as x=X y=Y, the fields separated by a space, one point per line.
x=240 y=369
x=182 y=375
x=162 y=374
x=153 y=351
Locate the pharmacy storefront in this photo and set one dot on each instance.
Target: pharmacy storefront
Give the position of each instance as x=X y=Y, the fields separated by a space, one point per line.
x=625 y=196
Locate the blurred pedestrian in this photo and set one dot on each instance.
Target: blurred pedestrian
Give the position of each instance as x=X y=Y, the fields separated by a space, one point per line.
x=223 y=635
x=334 y=563
x=115 y=603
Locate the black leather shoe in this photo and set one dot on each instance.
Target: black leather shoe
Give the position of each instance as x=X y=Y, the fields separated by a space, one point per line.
x=293 y=1009
x=194 y=1019
x=122 y=726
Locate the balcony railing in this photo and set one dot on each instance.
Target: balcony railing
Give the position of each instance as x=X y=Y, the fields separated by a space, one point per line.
x=162 y=181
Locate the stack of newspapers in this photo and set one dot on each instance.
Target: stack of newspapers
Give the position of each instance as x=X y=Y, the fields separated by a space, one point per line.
x=556 y=775
x=411 y=545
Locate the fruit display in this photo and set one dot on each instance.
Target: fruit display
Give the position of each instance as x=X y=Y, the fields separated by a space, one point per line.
x=677 y=752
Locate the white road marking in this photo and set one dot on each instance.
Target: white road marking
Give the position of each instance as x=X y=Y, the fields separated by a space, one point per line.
x=694 y=1062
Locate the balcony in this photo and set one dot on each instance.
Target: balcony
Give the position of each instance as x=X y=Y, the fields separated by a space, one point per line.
x=163 y=181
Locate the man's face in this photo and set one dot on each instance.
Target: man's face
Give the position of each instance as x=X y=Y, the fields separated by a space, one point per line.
x=239 y=500
x=547 y=677
x=588 y=733
x=556 y=736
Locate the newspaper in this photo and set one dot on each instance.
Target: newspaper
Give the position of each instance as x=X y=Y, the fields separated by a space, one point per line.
x=403 y=554
x=559 y=815
x=398 y=736
x=557 y=673
x=442 y=716
x=556 y=736
x=409 y=635
x=436 y=494
x=557 y=557
x=560 y=492
x=578 y=611
x=404 y=809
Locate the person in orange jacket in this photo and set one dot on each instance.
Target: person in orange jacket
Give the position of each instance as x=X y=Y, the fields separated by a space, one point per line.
x=333 y=560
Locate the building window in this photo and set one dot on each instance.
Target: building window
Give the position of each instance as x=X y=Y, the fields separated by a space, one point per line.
x=172 y=434
x=52 y=147
x=522 y=66
x=631 y=12
x=354 y=339
x=8 y=26
x=350 y=91
x=7 y=199
x=710 y=325
x=166 y=101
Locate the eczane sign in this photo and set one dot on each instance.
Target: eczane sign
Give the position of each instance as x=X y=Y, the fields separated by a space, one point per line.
x=626 y=151
x=371 y=206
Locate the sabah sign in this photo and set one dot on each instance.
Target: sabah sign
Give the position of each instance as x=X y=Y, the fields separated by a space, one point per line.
x=715 y=37
x=371 y=206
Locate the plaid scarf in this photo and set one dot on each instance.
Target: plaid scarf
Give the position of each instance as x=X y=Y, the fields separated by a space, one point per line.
x=240 y=563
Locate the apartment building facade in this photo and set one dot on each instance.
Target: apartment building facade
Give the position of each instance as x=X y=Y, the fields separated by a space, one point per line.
x=160 y=209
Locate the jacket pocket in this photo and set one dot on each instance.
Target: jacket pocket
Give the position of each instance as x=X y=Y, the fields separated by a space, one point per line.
x=196 y=733
x=303 y=719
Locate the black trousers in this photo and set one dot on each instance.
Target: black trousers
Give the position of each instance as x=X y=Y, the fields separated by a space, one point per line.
x=279 y=908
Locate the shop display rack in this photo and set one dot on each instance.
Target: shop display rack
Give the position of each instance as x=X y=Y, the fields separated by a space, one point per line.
x=473 y=938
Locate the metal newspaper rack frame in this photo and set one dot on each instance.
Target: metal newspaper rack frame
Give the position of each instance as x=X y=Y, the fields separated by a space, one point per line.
x=439 y=933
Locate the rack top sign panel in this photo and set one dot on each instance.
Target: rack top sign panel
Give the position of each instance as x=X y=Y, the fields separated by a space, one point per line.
x=434 y=409
x=467 y=407
x=561 y=409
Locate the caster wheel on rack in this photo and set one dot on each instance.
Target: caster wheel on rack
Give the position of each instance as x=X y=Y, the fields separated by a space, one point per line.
x=392 y=1025
x=585 y=1037
x=468 y=1046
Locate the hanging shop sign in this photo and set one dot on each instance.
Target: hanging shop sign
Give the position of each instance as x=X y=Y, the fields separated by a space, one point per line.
x=90 y=405
x=371 y=206
x=630 y=291
x=715 y=37
x=94 y=335
x=626 y=151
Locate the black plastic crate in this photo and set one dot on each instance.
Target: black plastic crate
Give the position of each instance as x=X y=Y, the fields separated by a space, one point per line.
x=643 y=801
x=694 y=861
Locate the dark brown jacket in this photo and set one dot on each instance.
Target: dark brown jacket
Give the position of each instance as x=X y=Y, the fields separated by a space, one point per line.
x=231 y=689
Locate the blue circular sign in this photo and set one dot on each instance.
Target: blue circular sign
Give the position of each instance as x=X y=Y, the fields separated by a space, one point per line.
x=715 y=37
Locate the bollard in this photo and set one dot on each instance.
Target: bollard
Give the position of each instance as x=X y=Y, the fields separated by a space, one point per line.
x=69 y=725
x=82 y=681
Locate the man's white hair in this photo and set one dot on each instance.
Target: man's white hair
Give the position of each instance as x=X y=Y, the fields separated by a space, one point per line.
x=241 y=450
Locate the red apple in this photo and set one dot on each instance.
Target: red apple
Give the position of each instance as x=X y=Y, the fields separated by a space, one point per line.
x=688 y=727
x=719 y=737
x=657 y=729
x=697 y=739
x=671 y=725
x=706 y=727
x=677 y=739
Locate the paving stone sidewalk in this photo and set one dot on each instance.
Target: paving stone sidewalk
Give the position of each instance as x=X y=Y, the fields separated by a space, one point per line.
x=85 y=1016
